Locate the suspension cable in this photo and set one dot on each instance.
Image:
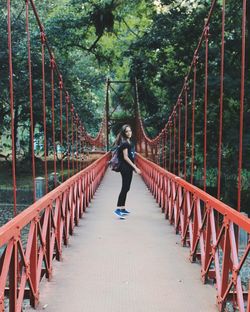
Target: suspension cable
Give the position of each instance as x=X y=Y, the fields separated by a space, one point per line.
x=52 y=65
x=31 y=104
x=61 y=124
x=76 y=130
x=186 y=126
x=221 y=100
x=67 y=132
x=174 y=141
x=179 y=134
x=193 y=118
x=43 y=39
x=242 y=94
x=170 y=145
x=12 y=113
x=72 y=139
x=205 y=109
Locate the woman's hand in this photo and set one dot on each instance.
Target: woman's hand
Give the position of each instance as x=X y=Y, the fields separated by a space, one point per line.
x=138 y=170
x=126 y=158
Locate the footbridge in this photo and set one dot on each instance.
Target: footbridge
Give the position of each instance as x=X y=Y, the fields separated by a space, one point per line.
x=182 y=248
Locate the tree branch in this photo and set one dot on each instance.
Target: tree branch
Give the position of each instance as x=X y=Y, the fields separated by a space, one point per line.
x=95 y=43
x=77 y=45
x=131 y=30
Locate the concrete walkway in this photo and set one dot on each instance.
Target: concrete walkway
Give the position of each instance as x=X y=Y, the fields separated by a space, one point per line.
x=132 y=265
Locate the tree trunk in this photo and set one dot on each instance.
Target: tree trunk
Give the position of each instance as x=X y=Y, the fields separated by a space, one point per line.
x=30 y=141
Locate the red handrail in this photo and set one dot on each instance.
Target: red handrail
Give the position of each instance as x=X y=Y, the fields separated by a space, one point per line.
x=51 y=220
x=192 y=212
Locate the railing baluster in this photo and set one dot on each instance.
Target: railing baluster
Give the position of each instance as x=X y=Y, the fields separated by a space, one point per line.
x=191 y=211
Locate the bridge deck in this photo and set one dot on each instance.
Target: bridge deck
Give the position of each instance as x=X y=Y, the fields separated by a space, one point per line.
x=135 y=265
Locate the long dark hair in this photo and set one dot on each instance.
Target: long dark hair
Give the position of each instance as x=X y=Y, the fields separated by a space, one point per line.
x=121 y=137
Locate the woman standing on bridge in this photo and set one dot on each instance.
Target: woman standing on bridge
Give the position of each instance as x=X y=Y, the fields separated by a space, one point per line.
x=126 y=155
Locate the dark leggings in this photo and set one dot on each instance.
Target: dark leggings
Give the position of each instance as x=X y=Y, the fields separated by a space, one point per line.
x=126 y=181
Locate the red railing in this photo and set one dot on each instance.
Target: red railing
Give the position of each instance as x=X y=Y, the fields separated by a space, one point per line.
x=208 y=228
x=30 y=241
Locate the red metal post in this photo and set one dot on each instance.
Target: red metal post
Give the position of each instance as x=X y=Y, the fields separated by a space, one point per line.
x=13 y=277
x=32 y=245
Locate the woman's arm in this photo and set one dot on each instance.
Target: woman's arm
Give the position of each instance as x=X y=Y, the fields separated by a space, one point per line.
x=126 y=158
